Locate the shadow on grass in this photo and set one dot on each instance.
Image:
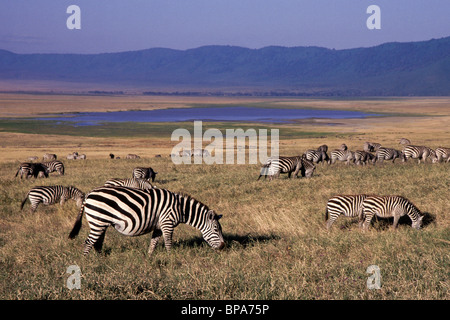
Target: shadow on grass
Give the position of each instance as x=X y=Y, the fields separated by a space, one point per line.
x=231 y=240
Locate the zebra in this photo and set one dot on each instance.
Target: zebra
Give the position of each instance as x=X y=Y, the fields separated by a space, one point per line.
x=348 y=205
x=72 y=156
x=342 y=155
x=275 y=166
x=135 y=212
x=54 y=165
x=51 y=194
x=132 y=156
x=143 y=184
x=391 y=206
x=81 y=156
x=363 y=157
x=418 y=152
x=307 y=168
x=404 y=141
x=371 y=146
x=32 y=169
x=49 y=157
x=317 y=156
x=441 y=154
x=323 y=148
x=384 y=153
x=144 y=173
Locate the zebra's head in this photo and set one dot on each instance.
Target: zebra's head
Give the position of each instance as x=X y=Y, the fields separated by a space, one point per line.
x=212 y=230
x=76 y=194
x=418 y=223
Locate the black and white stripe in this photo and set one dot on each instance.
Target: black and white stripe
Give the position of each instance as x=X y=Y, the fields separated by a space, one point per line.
x=441 y=154
x=143 y=184
x=371 y=146
x=51 y=194
x=317 y=156
x=29 y=169
x=135 y=212
x=342 y=155
x=55 y=166
x=388 y=154
x=418 y=152
x=390 y=206
x=275 y=166
x=144 y=173
x=362 y=157
x=347 y=205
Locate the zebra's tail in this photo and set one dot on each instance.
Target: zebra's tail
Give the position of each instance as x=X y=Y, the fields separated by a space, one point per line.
x=78 y=223
x=23 y=202
x=326 y=214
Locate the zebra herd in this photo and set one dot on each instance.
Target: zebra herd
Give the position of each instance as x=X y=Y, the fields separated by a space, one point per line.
x=134 y=206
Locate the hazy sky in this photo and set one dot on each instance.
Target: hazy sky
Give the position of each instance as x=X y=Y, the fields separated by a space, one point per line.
x=39 y=26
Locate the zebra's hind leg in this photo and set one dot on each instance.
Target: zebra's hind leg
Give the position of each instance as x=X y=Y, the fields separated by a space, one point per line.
x=156 y=235
x=95 y=239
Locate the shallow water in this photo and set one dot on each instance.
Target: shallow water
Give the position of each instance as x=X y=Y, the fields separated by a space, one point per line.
x=277 y=115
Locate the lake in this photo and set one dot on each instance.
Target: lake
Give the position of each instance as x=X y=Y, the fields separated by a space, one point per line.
x=240 y=114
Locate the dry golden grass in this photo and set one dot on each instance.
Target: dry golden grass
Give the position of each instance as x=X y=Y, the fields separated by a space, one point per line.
x=277 y=246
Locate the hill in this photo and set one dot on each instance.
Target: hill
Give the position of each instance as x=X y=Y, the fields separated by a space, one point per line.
x=395 y=69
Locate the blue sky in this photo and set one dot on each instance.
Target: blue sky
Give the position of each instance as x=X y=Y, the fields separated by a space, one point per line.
x=39 y=26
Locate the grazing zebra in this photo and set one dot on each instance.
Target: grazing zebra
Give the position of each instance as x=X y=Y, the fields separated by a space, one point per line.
x=307 y=168
x=323 y=148
x=275 y=166
x=371 y=146
x=363 y=157
x=317 y=156
x=404 y=141
x=342 y=155
x=49 y=157
x=32 y=169
x=81 y=156
x=131 y=183
x=200 y=153
x=348 y=205
x=388 y=154
x=441 y=154
x=418 y=152
x=51 y=194
x=72 y=156
x=390 y=206
x=135 y=212
x=144 y=173
x=54 y=166
x=132 y=156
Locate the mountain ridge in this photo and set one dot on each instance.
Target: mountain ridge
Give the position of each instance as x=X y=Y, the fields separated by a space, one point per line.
x=394 y=68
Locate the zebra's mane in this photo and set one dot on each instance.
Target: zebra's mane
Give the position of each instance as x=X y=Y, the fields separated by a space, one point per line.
x=188 y=199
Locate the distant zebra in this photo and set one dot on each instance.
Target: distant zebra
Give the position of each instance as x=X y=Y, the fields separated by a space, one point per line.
x=418 y=152
x=404 y=141
x=388 y=154
x=343 y=147
x=131 y=183
x=371 y=146
x=51 y=194
x=32 y=170
x=144 y=173
x=342 y=155
x=391 y=206
x=348 y=205
x=275 y=166
x=49 y=157
x=81 y=156
x=317 y=156
x=135 y=212
x=55 y=166
x=442 y=154
x=132 y=156
x=362 y=157
x=72 y=156
x=307 y=168
x=323 y=148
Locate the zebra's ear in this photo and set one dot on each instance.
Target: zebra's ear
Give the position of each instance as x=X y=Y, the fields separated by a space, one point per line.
x=219 y=216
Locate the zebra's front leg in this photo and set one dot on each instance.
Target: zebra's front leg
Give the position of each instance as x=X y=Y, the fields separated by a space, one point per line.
x=157 y=233
x=167 y=234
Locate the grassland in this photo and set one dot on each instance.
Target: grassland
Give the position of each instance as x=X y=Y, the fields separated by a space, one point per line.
x=277 y=246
